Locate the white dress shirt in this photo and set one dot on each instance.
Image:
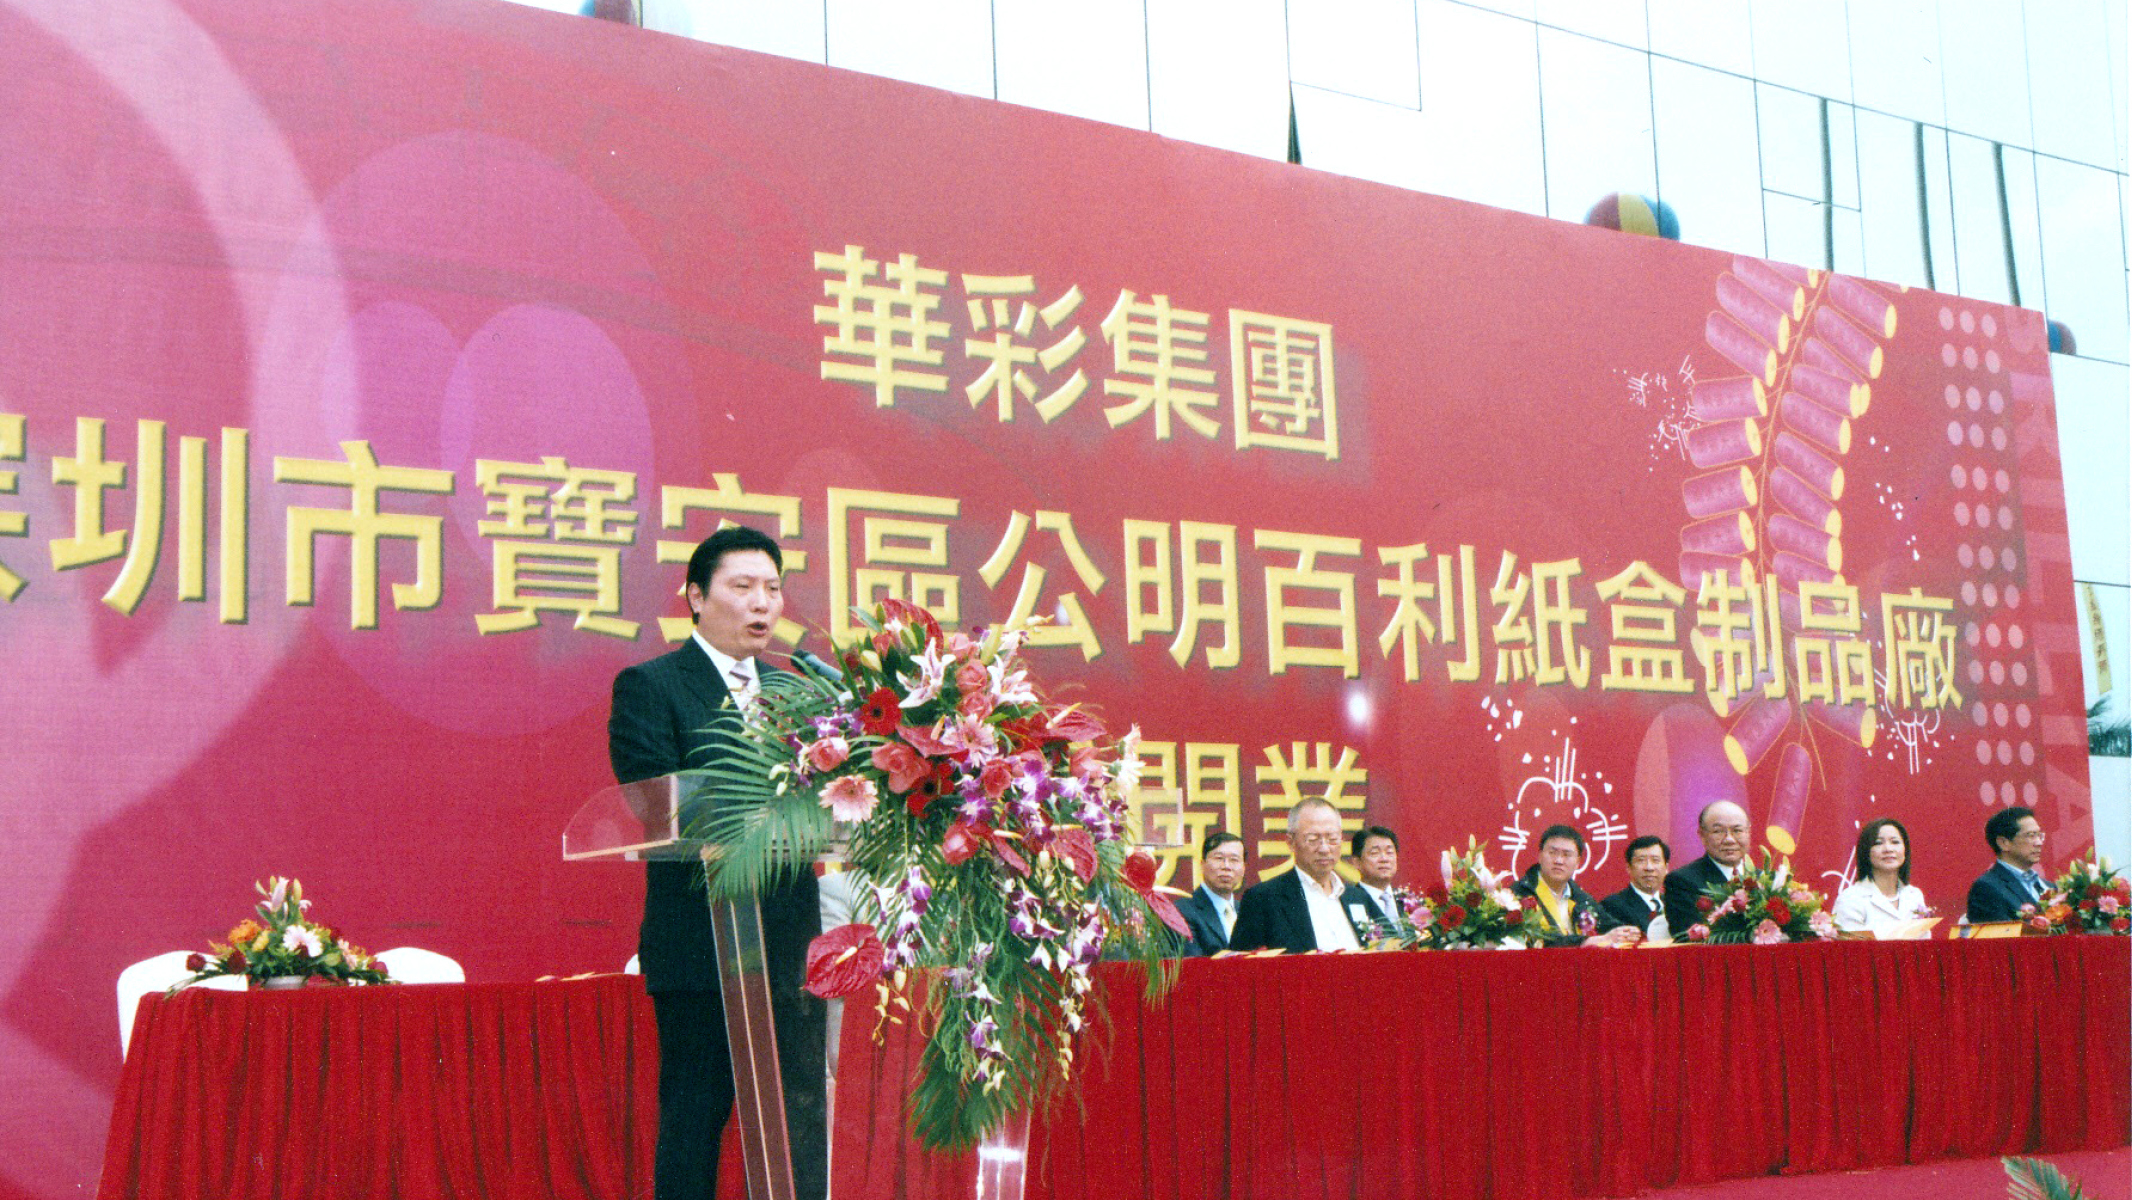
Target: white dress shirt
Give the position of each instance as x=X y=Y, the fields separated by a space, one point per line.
x=733 y=670
x=1656 y=902
x=1328 y=922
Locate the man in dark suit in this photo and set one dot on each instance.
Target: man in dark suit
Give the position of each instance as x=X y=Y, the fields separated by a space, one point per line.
x=1723 y=827
x=1210 y=910
x=670 y=714
x=2016 y=837
x=1562 y=913
x=1375 y=850
x=1302 y=910
x=1643 y=902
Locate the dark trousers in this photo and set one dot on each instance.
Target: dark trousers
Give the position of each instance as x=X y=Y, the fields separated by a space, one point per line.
x=696 y=1068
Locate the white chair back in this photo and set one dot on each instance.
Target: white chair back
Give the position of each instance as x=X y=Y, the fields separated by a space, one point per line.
x=412 y=964
x=154 y=974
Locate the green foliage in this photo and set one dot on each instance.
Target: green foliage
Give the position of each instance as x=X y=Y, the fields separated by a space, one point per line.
x=2034 y=1179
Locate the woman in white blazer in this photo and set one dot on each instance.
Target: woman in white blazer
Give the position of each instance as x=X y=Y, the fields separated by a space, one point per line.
x=1883 y=895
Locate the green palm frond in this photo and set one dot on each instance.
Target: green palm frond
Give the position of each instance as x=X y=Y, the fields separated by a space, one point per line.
x=765 y=827
x=2034 y=1179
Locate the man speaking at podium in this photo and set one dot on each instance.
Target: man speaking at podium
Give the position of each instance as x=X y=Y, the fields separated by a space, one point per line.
x=670 y=714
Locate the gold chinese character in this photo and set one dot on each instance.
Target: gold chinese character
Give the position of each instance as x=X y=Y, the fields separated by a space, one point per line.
x=1070 y=626
x=1152 y=349
x=12 y=524
x=1919 y=649
x=91 y=475
x=1457 y=611
x=1736 y=639
x=1652 y=660
x=1310 y=769
x=1833 y=670
x=1199 y=572
x=1338 y=587
x=727 y=496
x=364 y=525
x=1211 y=791
x=888 y=546
x=1005 y=355
x=547 y=513
x=1282 y=383
x=884 y=327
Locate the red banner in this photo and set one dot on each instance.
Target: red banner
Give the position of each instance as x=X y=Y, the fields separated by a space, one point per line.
x=365 y=369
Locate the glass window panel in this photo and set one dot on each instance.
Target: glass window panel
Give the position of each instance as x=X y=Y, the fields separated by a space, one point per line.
x=1617 y=21
x=1088 y=59
x=2094 y=441
x=1360 y=47
x=2069 y=81
x=1366 y=139
x=2083 y=254
x=1480 y=100
x=1939 y=214
x=1712 y=33
x=1890 y=216
x=939 y=43
x=792 y=30
x=1979 y=229
x=1982 y=43
x=1797 y=233
x=1895 y=59
x=2026 y=225
x=1847 y=235
x=1595 y=106
x=1843 y=155
x=1709 y=168
x=1804 y=44
x=1791 y=141
x=1219 y=73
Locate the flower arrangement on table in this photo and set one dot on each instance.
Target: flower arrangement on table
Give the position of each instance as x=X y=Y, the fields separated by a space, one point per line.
x=986 y=826
x=1764 y=905
x=280 y=942
x=2091 y=897
x=1473 y=908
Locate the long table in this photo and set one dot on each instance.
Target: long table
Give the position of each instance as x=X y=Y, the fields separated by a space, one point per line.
x=1559 y=1073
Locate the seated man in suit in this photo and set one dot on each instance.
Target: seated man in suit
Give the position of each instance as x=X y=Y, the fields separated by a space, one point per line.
x=1211 y=908
x=1301 y=910
x=1376 y=853
x=1722 y=825
x=1643 y=902
x=2016 y=837
x=1566 y=914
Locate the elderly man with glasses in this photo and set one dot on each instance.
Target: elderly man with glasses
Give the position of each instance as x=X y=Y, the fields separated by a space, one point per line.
x=1723 y=828
x=1300 y=911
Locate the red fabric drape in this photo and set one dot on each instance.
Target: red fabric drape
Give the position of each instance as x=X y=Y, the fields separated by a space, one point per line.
x=1551 y=1074
x=533 y=1090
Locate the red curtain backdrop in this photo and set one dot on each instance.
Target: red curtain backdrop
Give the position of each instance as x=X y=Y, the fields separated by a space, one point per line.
x=1547 y=1074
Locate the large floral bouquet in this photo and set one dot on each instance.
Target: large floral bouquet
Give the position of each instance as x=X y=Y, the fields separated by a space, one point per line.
x=281 y=942
x=986 y=828
x=1764 y=905
x=1474 y=906
x=2091 y=897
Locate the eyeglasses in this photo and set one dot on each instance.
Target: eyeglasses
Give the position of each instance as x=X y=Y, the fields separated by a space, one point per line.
x=1318 y=839
x=2033 y=835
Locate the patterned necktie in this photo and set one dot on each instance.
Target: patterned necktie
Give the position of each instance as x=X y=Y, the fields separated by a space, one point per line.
x=743 y=687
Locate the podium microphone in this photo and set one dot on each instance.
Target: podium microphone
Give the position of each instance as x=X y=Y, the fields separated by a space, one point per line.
x=812 y=664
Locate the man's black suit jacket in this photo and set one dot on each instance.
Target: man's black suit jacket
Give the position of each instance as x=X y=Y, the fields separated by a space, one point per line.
x=1627 y=907
x=1205 y=922
x=1683 y=888
x=670 y=714
x=1997 y=896
x=1274 y=915
x=1581 y=904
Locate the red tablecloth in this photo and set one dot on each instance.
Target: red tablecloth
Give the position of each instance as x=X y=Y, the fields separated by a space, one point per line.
x=1562 y=1073
x=1543 y=1074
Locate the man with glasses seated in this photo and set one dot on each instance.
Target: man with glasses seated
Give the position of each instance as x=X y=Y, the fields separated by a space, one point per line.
x=1210 y=910
x=2016 y=837
x=1300 y=910
x=1723 y=828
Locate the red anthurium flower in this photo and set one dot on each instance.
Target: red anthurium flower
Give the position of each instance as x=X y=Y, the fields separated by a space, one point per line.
x=1074 y=724
x=962 y=841
x=923 y=741
x=1003 y=846
x=901 y=764
x=881 y=714
x=1528 y=902
x=1079 y=851
x=1166 y=909
x=843 y=961
x=1139 y=871
x=997 y=775
x=893 y=609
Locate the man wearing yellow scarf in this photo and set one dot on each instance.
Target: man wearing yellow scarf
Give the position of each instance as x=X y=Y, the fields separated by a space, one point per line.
x=1565 y=914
